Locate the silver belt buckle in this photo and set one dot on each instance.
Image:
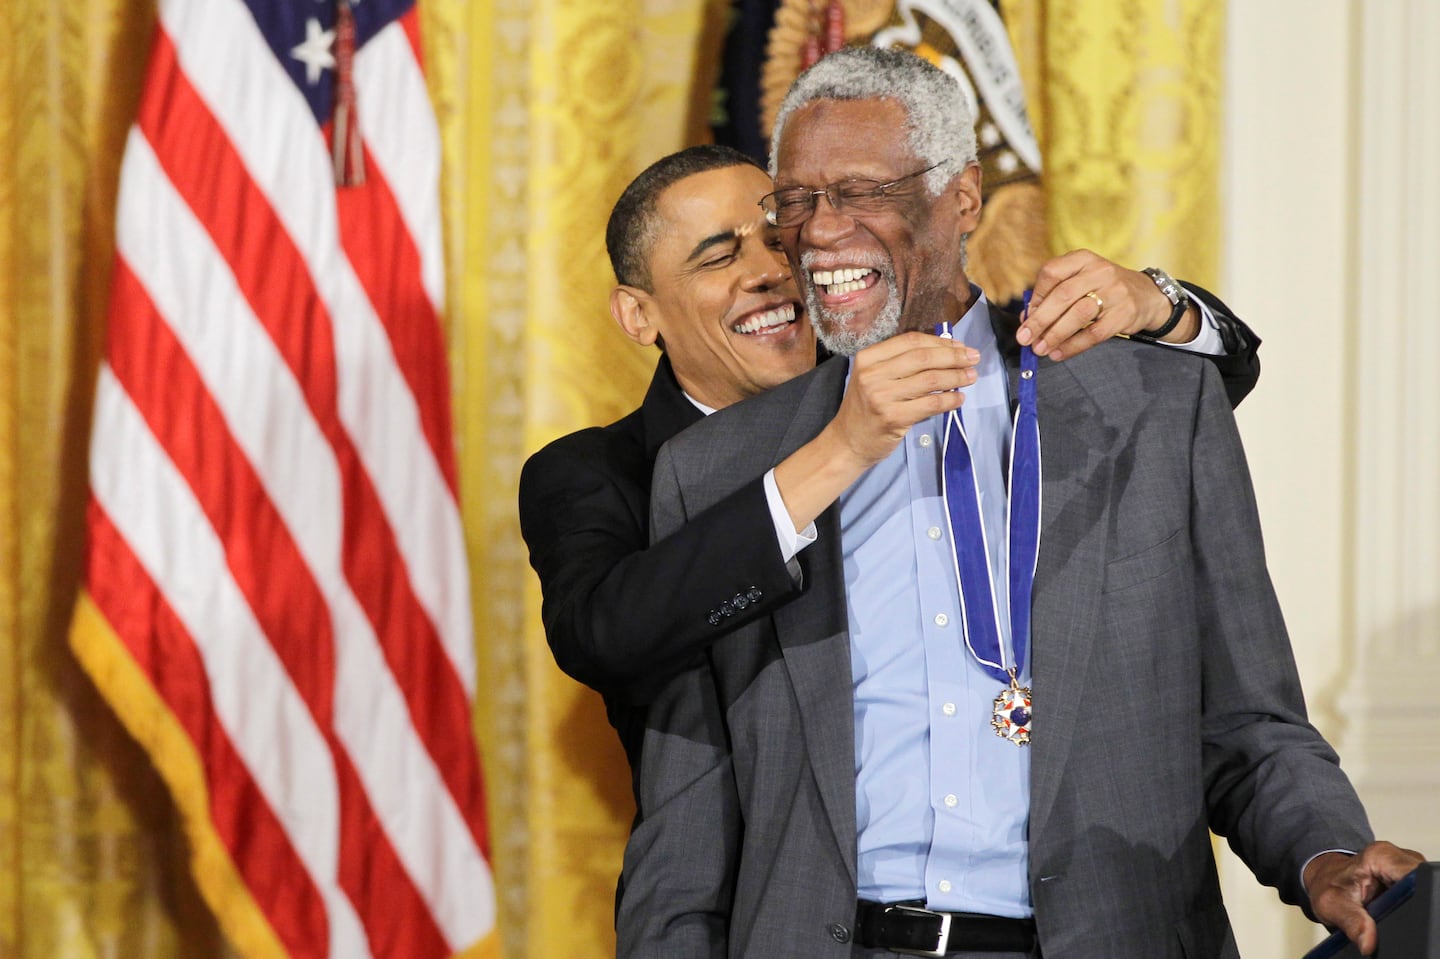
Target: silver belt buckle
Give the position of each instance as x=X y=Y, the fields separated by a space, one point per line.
x=940 y=945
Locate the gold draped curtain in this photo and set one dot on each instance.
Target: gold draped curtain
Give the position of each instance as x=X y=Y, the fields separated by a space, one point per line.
x=547 y=108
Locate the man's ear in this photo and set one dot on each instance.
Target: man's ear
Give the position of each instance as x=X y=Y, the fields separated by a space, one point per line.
x=631 y=307
x=966 y=188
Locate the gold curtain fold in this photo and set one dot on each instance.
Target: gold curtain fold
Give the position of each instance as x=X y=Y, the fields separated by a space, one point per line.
x=91 y=860
x=1129 y=105
x=564 y=102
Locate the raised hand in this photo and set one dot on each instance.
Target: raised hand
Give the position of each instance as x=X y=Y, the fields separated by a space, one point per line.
x=1082 y=299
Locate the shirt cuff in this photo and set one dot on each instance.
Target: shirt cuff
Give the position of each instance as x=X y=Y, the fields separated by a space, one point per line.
x=1207 y=342
x=1306 y=865
x=791 y=542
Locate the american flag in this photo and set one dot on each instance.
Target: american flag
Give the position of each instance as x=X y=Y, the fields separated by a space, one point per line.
x=276 y=601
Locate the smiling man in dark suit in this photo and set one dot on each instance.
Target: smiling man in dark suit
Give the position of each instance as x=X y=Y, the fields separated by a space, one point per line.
x=850 y=774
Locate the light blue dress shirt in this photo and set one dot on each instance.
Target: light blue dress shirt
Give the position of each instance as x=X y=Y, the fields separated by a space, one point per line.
x=942 y=802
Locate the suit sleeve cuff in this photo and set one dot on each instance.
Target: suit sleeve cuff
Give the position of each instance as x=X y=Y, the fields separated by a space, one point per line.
x=1208 y=341
x=791 y=542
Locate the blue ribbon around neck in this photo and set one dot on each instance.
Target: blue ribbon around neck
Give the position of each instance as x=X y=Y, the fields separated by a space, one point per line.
x=961 y=493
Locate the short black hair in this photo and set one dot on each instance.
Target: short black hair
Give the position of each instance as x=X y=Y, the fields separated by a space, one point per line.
x=634 y=225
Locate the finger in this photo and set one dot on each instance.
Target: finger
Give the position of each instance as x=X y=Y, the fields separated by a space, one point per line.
x=1358 y=928
x=909 y=342
x=1084 y=296
x=1364 y=933
x=1045 y=308
x=935 y=354
x=924 y=382
x=884 y=401
x=934 y=358
x=1057 y=269
x=1388 y=862
x=1073 y=331
x=893 y=417
x=897 y=418
x=926 y=405
x=885 y=392
x=1093 y=334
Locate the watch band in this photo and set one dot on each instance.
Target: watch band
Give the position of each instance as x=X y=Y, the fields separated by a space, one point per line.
x=1179 y=301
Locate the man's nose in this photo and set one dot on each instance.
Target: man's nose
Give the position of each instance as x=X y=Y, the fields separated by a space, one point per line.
x=768 y=268
x=826 y=224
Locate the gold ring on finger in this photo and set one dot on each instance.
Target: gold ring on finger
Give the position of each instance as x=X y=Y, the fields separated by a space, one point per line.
x=1099 y=303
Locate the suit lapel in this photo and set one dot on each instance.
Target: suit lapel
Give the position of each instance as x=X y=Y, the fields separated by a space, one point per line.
x=1069 y=576
x=815 y=640
x=665 y=411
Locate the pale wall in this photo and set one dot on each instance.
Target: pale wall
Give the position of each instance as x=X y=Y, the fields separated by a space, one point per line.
x=1332 y=251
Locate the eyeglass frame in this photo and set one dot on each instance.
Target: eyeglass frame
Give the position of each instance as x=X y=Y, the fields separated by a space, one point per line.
x=878 y=191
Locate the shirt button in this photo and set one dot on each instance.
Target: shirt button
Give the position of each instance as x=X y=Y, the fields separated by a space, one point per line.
x=943 y=885
x=948 y=709
x=933 y=532
x=951 y=801
x=941 y=619
x=925 y=439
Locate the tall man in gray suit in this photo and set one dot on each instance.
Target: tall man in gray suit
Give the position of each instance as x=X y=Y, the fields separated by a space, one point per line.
x=854 y=774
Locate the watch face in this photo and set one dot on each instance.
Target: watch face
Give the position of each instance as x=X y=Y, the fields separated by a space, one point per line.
x=1173 y=291
x=1179 y=301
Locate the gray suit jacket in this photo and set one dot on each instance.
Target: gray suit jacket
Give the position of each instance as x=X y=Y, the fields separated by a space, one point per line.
x=1166 y=696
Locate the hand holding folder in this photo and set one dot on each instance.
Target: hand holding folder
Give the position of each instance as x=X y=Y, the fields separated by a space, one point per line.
x=1407 y=915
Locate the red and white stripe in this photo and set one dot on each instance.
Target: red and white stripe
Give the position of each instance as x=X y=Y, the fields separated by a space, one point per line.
x=273 y=481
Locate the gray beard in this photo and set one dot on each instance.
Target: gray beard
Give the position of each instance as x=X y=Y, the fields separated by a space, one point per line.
x=831 y=325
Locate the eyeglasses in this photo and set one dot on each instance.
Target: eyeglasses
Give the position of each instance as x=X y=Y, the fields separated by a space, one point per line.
x=794 y=205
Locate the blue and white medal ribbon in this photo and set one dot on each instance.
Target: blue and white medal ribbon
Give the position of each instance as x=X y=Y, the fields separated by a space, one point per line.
x=981 y=613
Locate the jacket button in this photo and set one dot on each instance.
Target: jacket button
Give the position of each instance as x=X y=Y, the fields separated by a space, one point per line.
x=726 y=609
x=839 y=932
x=714 y=618
x=754 y=594
x=740 y=601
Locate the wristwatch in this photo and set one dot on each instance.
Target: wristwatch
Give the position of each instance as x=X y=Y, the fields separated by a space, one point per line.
x=1179 y=302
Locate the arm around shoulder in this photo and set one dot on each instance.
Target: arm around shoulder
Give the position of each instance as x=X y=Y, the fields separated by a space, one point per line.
x=621 y=615
x=1239 y=365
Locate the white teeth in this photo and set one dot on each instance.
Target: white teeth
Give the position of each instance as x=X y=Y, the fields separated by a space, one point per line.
x=846 y=280
x=767 y=320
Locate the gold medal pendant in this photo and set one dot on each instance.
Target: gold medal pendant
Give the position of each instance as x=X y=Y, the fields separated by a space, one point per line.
x=1011 y=718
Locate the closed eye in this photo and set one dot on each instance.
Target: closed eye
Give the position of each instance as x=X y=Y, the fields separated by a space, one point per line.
x=852 y=190
x=721 y=260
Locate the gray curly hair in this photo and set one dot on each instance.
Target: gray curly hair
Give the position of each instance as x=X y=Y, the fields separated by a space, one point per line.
x=940 y=122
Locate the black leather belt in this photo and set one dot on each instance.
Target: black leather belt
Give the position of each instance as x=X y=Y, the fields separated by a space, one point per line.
x=913 y=930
